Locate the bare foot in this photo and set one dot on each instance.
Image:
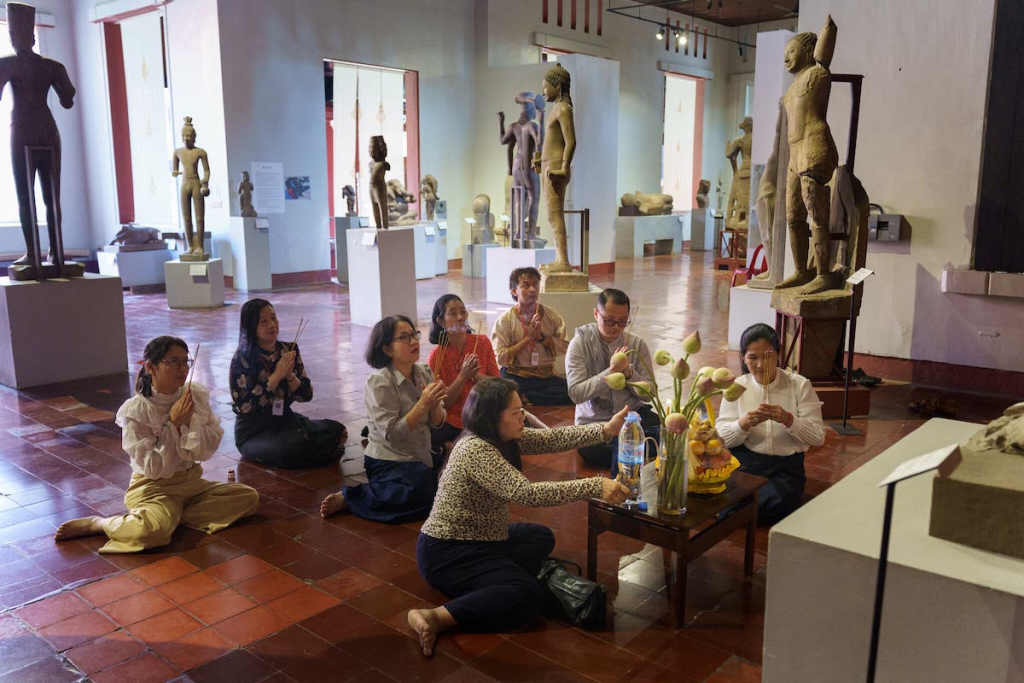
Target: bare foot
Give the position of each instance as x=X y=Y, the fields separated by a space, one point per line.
x=818 y=284
x=796 y=279
x=76 y=528
x=426 y=624
x=332 y=504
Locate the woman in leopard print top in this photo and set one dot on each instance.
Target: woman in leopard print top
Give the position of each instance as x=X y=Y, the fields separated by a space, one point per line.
x=467 y=549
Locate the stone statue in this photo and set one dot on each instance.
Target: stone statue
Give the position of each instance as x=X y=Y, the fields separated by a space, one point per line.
x=648 y=204
x=398 y=204
x=245 y=197
x=193 y=190
x=483 y=229
x=522 y=140
x=134 y=238
x=558 y=149
x=1004 y=434
x=812 y=158
x=738 y=205
x=349 y=193
x=718 y=198
x=378 y=186
x=702 y=193
x=31 y=77
x=765 y=208
x=428 y=194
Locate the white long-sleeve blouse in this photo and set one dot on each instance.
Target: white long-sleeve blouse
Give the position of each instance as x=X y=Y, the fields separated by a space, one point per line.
x=791 y=391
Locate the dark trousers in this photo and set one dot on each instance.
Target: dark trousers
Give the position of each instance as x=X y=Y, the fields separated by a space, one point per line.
x=492 y=585
x=785 y=488
x=441 y=435
x=541 y=391
x=290 y=441
x=605 y=456
x=397 y=492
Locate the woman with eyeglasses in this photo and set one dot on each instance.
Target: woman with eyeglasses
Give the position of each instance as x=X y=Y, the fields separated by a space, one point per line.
x=167 y=430
x=403 y=401
x=267 y=376
x=772 y=424
x=467 y=549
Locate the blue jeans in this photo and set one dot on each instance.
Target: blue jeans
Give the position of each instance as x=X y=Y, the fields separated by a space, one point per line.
x=541 y=391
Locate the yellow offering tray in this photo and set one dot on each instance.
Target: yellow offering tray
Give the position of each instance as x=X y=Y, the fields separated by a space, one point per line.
x=710 y=482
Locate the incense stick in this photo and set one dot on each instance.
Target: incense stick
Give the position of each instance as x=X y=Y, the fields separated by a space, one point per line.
x=302 y=326
x=476 y=341
x=195 y=362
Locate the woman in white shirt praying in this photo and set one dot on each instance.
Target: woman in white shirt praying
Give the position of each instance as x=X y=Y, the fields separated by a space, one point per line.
x=771 y=425
x=167 y=430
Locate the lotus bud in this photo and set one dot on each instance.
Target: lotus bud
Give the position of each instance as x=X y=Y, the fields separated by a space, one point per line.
x=705 y=386
x=662 y=357
x=681 y=370
x=675 y=423
x=619 y=360
x=733 y=392
x=616 y=381
x=723 y=377
x=692 y=343
x=643 y=387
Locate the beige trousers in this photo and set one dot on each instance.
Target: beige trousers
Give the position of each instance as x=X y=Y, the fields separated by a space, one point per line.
x=156 y=507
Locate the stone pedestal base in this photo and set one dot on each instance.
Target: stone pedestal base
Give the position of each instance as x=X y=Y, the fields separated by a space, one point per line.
x=573 y=281
x=250 y=247
x=382 y=274
x=135 y=268
x=632 y=232
x=503 y=260
x=61 y=330
x=422 y=249
x=747 y=307
x=26 y=272
x=474 y=259
x=195 y=284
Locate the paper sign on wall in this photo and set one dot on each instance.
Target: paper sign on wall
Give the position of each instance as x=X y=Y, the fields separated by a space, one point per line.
x=369 y=239
x=267 y=180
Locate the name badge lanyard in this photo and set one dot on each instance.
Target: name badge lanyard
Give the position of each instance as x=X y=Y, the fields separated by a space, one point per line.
x=534 y=352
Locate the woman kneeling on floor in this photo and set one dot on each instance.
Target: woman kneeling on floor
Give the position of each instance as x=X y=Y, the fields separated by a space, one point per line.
x=467 y=549
x=167 y=430
x=403 y=401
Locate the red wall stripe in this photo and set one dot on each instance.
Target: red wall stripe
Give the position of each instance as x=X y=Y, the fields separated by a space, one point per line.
x=705 y=42
x=119 y=122
x=698 y=141
x=412 y=134
x=586 y=16
x=677 y=40
x=686 y=48
x=572 y=15
x=560 y=2
x=668 y=34
x=545 y=10
x=600 y=17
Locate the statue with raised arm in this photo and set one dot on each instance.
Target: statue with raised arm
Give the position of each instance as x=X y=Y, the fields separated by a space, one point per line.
x=522 y=139
x=428 y=194
x=379 y=186
x=193 y=190
x=245 y=188
x=555 y=160
x=812 y=159
x=31 y=77
x=738 y=205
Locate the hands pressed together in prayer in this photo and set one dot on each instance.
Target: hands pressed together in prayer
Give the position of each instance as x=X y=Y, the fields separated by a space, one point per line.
x=764 y=413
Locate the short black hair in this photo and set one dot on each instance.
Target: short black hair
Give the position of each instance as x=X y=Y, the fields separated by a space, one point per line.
x=383 y=334
x=481 y=415
x=437 y=332
x=513 y=278
x=155 y=351
x=616 y=296
x=755 y=333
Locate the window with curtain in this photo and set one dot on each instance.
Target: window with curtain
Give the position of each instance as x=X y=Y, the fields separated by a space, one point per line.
x=8 y=197
x=677 y=142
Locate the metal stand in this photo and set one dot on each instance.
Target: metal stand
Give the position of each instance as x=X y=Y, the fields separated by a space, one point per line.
x=584 y=238
x=883 y=560
x=844 y=428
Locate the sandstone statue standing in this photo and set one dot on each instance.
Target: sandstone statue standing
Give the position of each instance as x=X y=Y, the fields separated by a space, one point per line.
x=378 y=186
x=738 y=205
x=193 y=190
x=245 y=188
x=556 y=160
x=523 y=138
x=428 y=195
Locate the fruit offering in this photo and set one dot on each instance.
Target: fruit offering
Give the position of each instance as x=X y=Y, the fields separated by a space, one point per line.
x=706 y=446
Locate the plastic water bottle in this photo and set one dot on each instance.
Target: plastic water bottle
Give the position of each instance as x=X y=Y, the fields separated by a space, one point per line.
x=631 y=456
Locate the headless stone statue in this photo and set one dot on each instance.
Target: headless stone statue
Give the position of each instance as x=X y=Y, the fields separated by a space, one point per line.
x=245 y=197
x=702 y=193
x=522 y=139
x=812 y=158
x=32 y=125
x=483 y=229
x=193 y=190
x=428 y=195
x=399 y=200
x=738 y=205
x=378 y=186
x=349 y=193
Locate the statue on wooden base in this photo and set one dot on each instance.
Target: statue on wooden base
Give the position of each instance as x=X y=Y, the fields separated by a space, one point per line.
x=738 y=205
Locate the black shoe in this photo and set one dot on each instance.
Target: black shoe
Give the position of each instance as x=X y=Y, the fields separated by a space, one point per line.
x=366 y=431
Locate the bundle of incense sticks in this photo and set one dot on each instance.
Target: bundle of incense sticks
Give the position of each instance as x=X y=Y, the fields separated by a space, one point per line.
x=766 y=372
x=476 y=337
x=632 y=319
x=192 y=372
x=302 y=326
x=442 y=349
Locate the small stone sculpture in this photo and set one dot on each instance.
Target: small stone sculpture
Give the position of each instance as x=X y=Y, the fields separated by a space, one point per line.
x=32 y=124
x=133 y=238
x=702 y=193
x=738 y=205
x=245 y=197
x=522 y=140
x=378 y=186
x=648 y=204
x=193 y=190
x=349 y=193
x=428 y=194
x=398 y=204
x=483 y=229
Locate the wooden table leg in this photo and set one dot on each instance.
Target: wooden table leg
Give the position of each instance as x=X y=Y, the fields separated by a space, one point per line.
x=748 y=554
x=592 y=534
x=678 y=606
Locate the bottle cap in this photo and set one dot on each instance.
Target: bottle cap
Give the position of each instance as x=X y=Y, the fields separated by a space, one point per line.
x=632 y=416
x=641 y=506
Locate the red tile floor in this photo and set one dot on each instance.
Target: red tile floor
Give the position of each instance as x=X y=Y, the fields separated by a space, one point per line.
x=285 y=596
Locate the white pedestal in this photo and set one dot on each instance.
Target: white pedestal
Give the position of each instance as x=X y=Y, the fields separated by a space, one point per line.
x=382 y=274
x=503 y=260
x=426 y=261
x=135 y=268
x=747 y=307
x=702 y=230
x=631 y=232
x=195 y=284
x=250 y=250
x=341 y=225
x=951 y=612
x=474 y=259
x=439 y=243
x=576 y=309
x=61 y=330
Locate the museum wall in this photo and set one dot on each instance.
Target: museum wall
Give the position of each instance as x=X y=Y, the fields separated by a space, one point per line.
x=925 y=67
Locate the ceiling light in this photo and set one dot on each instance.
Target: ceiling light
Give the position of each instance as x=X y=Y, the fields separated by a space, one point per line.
x=681 y=37
x=660 y=35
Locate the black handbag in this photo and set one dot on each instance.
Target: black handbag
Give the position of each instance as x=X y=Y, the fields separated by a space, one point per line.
x=581 y=601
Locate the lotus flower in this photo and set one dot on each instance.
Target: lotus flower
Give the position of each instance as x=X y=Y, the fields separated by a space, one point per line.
x=616 y=381
x=692 y=343
x=706 y=371
x=733 y=392
x=662 y=357
x=681 y=370
x=643 y=387
x=675 y=423
x=619 y=360
x=723 y=377
x=705 y=386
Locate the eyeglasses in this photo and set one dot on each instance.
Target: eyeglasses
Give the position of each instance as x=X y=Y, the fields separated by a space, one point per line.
x=407 y=338
x=178 y=364
x=614 y=322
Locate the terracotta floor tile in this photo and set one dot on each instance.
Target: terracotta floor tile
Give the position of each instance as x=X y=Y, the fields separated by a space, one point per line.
x=146 y=669
x=164 y=571
x=220 y=606
x=288 y=647
x=135 y=608
x=165 y=628
x=348 y=583
x=383 y=602
x=578 y=651
x=237 y=666
x=303 y=603
x=49 y=670
x=253 y=625
x=190 y=588
x=52 y=610
x=105 y=591
x=315 y=567
x=196 y=649
x=737 y=670
x=510 y=662
x=269 y=586
x=105 y=652
x=22 y=649
x=311 y=668
x=239 y=569
x=77 y=630
x=400 y=656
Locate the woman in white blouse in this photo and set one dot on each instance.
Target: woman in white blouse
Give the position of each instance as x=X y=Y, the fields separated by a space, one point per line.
x=167 y=430
x=769 y=437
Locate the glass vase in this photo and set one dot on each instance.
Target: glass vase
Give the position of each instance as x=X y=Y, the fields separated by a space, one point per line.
x=673 y=472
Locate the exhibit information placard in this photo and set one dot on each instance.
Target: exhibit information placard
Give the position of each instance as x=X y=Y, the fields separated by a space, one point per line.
x=944 y=460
